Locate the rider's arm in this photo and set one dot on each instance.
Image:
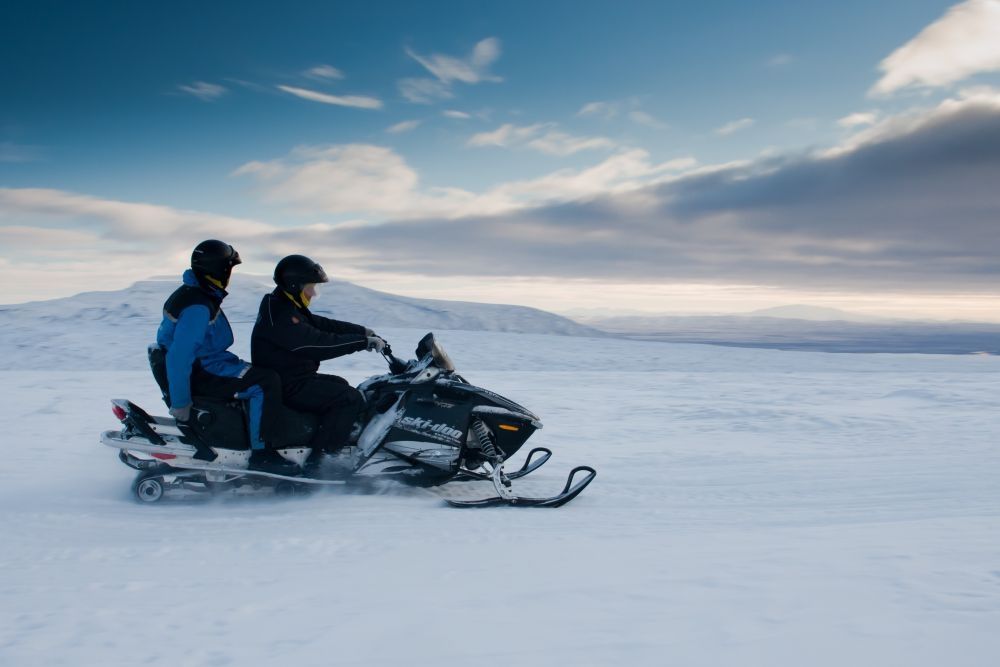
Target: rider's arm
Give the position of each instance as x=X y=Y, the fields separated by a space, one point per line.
x=290 y=330
x=188 y=334
x=336 y=326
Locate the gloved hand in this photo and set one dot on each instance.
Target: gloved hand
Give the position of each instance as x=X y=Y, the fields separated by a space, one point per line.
x=369 y=333
x=181 y=414
x=376 y=343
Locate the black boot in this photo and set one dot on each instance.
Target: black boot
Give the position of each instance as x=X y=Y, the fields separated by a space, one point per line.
x=268 y=460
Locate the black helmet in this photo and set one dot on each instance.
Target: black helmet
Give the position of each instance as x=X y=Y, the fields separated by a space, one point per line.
x=296 y=271
x=215 y=259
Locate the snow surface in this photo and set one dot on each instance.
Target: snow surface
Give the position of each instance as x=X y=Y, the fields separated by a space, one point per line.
x=752 y=507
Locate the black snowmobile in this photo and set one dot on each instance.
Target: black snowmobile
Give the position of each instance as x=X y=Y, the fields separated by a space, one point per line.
x=423 y=424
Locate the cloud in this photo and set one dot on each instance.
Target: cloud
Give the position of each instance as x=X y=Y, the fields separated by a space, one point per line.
x=643 y=118
x=471 y=69
x=356 y=101
x=458 y=115
x=605 y=110
x=378 y=184
x=541 y=137
x=52 y=241
x=913 y=207
x=734 y=126
x=858 y=119
x=424 y=91
x=405 y=126
x=505 y=136
x=558 y=143
x=915 y=119
x=122 y=221
x=324 y=72
x=205 y=92
x=448 y=70
x=963 y=42
x=780 y=60
x=351 y=178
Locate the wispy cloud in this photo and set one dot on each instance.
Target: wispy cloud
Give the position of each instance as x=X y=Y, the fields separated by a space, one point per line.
x=599 y=109
x=458 y=115
x=474 y=68
x=542 y=137
x=405 y=126
x=780 y=60
x=734 y=126
x=424 y=91
x=324 y=72
x=356 y=101
x=606 y=110
x=643 y=118
x=559 y=143
x=205 y=92
x=963 y=42
x=505 y=136
x=858 y=119
x=447 y=70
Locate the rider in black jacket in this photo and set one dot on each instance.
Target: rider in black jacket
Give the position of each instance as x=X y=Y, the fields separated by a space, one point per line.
x=291 y=340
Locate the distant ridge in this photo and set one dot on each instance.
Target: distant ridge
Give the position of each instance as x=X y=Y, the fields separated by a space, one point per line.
x=814 y=314
x=796 y=333
x=111 y=329
x=337 y=299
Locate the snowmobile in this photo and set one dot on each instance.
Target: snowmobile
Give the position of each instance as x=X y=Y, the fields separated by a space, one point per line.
x=422 y=424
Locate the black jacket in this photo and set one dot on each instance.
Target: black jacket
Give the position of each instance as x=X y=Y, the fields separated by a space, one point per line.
x=292 y=341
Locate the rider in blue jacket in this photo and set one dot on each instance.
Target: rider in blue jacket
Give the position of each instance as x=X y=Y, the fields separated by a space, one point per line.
x=196 y=335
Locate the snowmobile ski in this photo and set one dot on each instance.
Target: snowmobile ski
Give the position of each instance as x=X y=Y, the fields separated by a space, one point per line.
x=569 y=492
x=529 y=466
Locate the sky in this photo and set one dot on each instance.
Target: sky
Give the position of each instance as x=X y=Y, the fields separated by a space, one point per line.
x=581 y=157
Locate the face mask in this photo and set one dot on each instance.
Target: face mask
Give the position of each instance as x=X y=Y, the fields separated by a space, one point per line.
x=305 y=297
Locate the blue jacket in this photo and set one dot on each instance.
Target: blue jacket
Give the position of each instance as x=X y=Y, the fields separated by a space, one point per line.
x=194 y=329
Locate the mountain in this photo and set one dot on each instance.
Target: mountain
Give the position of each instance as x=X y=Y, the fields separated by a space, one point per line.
x=814 y=313
x=804 y=334
x=84 y=330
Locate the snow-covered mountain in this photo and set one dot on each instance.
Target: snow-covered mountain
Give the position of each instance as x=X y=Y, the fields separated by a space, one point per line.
x=88 y=327
x=781 y=331
x=814 y=313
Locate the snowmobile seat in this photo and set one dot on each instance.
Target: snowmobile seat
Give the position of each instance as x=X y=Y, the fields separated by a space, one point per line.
x=224 y=422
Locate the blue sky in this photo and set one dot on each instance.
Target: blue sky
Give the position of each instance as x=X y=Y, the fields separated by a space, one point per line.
x=352 y=131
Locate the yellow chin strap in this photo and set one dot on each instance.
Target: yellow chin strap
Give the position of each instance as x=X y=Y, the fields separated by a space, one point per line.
x=303 y=300
x=215 y=281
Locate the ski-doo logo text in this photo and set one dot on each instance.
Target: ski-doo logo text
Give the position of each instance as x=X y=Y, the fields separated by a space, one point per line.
x=431 y=429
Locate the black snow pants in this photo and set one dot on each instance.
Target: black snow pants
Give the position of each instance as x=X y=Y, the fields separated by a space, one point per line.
x=204 y=383
x=334 y=400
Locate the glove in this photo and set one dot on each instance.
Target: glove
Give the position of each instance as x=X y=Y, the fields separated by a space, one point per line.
x=369 y=333
x=376 y=343
x=181 y=414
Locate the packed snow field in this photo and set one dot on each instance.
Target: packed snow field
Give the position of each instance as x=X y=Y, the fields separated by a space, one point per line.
x=752 y=507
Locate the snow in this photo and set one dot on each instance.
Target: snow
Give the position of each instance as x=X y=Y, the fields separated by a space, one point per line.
x=752 y=507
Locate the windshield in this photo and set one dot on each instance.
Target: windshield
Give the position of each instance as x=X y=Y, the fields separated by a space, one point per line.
x=441 y=358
